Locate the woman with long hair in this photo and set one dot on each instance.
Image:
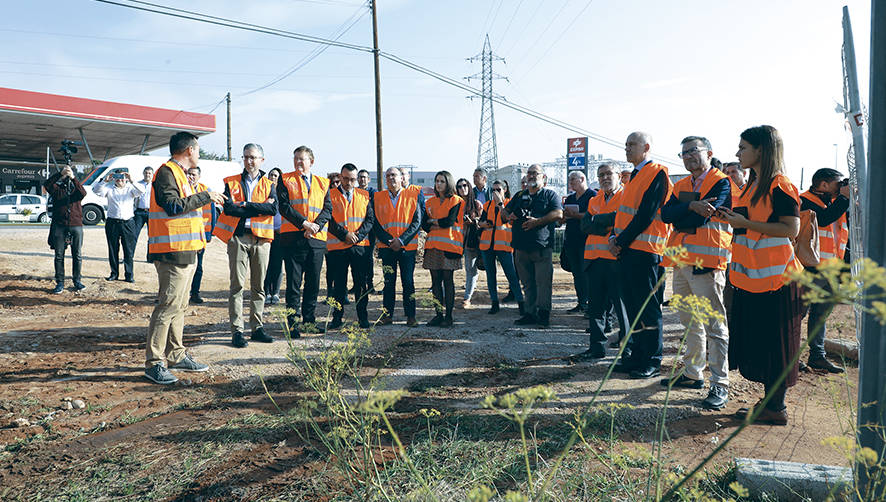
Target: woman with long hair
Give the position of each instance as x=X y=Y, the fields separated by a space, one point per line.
x=274 y=272
x=472 y=212
x=444 y=244
x=764 y=327
x=495 y=243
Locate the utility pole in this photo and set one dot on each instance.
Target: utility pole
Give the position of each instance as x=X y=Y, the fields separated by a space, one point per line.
x=487 y=148
x=379 y=165
x=228 y=99
x=872 y=350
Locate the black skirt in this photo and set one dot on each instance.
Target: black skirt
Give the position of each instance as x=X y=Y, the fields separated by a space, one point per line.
x=764 y=333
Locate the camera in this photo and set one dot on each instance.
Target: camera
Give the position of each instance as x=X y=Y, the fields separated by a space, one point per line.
x=118 y=176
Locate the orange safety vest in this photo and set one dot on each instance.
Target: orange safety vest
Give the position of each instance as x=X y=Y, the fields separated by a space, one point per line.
x=449 y=239
x=499 y=236
x=262 y=226
x=710 y=246
x=173 y=234
x=395 y=220
x=307 y=203
x=349 y=215
x=837 y=231
x=736 y=191
x=654 y=237
x=597 y=246
x=759 y=262
x=207 y=209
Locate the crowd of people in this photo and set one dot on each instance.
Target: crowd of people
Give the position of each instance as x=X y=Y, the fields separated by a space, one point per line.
x=733 y=224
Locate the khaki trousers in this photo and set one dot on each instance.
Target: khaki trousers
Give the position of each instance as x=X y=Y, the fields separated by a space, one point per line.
x=168 y=319
x=706 y=345
x=247 y=250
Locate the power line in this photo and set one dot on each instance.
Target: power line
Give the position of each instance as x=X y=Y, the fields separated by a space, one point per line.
x=508 y=27
x=390 y=57
x=562 y=33
x=542 y=34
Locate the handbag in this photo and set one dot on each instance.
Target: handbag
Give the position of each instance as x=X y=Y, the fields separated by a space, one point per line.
x=806 y=245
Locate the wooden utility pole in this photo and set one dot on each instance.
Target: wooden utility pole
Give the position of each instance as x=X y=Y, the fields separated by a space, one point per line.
x=228 y=99
x=379 y=166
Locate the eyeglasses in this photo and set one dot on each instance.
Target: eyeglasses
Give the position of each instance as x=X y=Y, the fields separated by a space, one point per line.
x=461 y=186
x=692 y=151
x=496 y=190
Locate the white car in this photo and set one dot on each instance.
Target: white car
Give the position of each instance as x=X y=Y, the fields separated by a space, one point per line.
x=20 y=203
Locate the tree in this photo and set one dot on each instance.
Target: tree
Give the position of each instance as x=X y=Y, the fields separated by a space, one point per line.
x=212 y=155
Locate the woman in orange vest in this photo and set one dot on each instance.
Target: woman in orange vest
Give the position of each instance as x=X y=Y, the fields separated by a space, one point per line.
x=495 y=243
x=764 y=329
x=444 y=244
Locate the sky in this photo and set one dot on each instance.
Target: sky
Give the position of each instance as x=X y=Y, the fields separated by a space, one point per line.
x=672 y=69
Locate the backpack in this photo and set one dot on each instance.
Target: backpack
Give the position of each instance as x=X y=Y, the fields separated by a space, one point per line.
x=806 y=245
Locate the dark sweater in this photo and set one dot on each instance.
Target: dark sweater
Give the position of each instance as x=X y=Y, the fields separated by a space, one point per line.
x=66 y=196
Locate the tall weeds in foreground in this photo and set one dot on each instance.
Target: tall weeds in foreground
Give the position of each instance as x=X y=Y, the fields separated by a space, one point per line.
x=348 y=413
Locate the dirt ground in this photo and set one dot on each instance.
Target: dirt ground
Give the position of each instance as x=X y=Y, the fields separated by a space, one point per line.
x=89 y=346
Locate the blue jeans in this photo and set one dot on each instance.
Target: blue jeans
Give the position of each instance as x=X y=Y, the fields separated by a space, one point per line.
x=507 y=265
x=471 y=255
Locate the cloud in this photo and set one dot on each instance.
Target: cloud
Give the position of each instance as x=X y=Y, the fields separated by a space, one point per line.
x=668 y=82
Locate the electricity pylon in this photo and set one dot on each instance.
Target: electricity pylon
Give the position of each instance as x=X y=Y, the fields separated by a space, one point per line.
x=487 y=150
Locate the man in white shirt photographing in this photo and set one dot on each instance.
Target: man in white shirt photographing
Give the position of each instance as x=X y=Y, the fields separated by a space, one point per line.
x=121 y=193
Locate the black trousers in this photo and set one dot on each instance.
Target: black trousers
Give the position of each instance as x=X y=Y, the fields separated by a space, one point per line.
x=638 y=272
x=404 y=260
x=274 y=273
x=120 y=232
x=605 y=297
x=198 y=274
x=57 y=240
x=139 y=221
x=338 y=262
x=303 y=261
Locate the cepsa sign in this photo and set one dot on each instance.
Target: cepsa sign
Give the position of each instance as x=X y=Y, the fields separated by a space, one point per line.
x=576 y=155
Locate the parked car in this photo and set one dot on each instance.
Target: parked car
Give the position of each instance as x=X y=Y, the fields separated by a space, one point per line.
x=20 y=203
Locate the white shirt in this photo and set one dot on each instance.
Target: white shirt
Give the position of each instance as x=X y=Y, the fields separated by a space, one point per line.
x=144 y=202
x=120 y=200
x=250 y=186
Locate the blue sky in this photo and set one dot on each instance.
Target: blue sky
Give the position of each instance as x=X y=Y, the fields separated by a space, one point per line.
x=670 y=68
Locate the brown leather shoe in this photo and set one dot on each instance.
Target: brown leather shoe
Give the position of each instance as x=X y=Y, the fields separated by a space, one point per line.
x=768 y=416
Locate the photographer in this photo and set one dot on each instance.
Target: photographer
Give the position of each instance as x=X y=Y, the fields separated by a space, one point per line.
x=829 y=198
x=121 y=193
x=67 y=224
x=533 y=214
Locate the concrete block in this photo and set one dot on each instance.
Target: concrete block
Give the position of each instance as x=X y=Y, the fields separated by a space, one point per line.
x=791 y=481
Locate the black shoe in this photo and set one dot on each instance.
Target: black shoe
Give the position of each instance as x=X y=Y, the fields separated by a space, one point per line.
x=196 y=299
x=335 y=324
x=544 y=319
x=411 y=322
x=683 y=381
x=78 y=286
x=447 y=322
x=259 y=335
x=509 y=298
x=717 y=398
x=494 y=309
x=129 y=279
x=59 y=287
x=437 y=320
x=526 y=320
x=588 y=355
x=824 y=365
x=238 y=340
x=386 y=320
x=623 y=367
x=645 y=372
x=364 y=324
x=577 y=308
x=112 y=277
x=292 y=326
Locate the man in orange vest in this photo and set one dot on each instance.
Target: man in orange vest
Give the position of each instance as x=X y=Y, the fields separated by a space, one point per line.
x=604 y=293
x=638 y=240
x=397 y=222
x=210 y=216
x=247 y=227
x=348 y=244
x=303 y=199
x=175 y=235
x=828 y=196
x=707 y=242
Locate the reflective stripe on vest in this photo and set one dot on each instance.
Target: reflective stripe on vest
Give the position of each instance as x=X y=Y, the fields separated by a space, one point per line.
x=597 y=246
x=307 y=203
x=837 y=232
x=448 y=239
x=654 y=237
x=710 y=246
x=759 y=262
x=395 y=220
x=499 y=236
x=207 y=210
x=173 y=234
x=262 y=227
x=349 y=215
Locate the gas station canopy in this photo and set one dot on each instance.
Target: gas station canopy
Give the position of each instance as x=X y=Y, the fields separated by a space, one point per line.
x=32 y=121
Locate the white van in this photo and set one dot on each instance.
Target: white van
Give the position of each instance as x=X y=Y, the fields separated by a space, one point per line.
x=212 y=174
